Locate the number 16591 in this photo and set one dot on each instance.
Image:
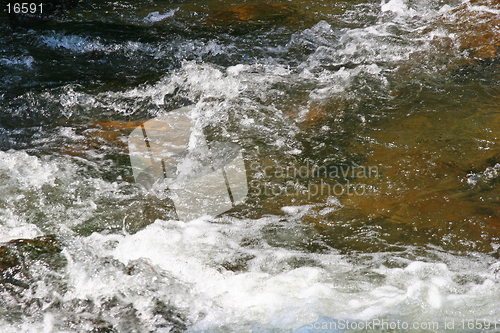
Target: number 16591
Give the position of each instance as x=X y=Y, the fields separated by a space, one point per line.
x=24 y=8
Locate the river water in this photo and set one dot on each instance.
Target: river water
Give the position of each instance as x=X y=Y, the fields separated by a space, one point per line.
x=370 y=137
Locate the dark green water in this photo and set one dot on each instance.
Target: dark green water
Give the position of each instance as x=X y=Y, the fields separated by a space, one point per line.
x=370 y=137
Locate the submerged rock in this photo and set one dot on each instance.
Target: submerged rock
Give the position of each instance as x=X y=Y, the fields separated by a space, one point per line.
x=254 y=12
x=476 y=26
x=17 y=256
x=245 y=15
x=31 y=276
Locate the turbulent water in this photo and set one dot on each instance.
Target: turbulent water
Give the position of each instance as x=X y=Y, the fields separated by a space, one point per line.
x=370 y=137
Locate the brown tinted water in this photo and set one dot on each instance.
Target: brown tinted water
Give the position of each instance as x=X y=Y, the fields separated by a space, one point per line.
x=369 y=133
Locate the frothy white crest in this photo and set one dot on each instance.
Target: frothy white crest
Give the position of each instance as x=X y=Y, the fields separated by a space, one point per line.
x=487 y=176
x=73 y=43
x=18 y=169
x=269 y=290
x=397 y=6
x=15 y=227
x=156 y=16
x=18 y=61
x=78 y=44
x=484 y=9
x=21 y=175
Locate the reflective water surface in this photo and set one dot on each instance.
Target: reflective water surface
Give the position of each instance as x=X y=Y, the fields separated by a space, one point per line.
x=368 y=132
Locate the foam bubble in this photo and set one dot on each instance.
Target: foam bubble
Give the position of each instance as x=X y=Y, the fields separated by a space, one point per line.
x=288 y=297
x=397 y=6
x=157 y=17
x=19 y=169
x=18 y=61
x=73 y=43
x=15 y=227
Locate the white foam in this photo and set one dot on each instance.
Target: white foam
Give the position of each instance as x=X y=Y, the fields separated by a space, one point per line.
x=271 y=292
x=23 y=327
x=22 y=170
x=15 y=227
x=484 y=9
x=18 y=61
x=73 y=43
x=487 y=176
x=295 y=210
x=186 y=251
x=234 y=273
x=79 y=44
x=157 y=17
x=48 y=321
x=397 y=6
